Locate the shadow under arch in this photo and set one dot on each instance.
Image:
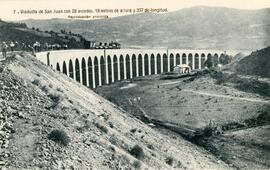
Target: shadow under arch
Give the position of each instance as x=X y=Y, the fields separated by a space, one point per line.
x=209 y=61
x=83 y=72
x=58 y=67
x=215 y=59
x=115 y=67
x=64 y=68
x=133 y=65
x=171 y=62
x=184 y=58
x=158 y=63
x=102 y=70
x=152 y=64
x=190 y=60
x=70 y=68
x=203 y=59
x=165 y=63
x=121 y=62
x=127 y=66
x=90 y=72
x=140 y=66
x=177 y=58
x=96 y=71
x=109 y=61
x=196 y=61
x=77 y=70
x=146 y=64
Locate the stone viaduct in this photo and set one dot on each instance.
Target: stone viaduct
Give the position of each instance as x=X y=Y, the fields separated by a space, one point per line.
x=98 y=67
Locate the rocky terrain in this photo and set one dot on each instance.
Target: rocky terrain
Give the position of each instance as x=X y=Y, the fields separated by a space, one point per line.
x=49 y=121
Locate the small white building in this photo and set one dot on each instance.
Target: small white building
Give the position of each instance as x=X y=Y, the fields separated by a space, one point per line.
x=182 y=68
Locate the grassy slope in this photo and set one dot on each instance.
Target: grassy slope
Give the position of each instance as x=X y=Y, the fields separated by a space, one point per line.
x=22 y=34
x=257 y=63
x=35 y=99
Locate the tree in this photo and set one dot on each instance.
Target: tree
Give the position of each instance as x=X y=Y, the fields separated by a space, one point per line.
x=225 y=59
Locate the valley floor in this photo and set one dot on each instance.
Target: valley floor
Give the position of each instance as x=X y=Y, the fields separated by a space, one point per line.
x=190 y=104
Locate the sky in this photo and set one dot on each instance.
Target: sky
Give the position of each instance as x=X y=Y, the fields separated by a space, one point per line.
x=11 y=9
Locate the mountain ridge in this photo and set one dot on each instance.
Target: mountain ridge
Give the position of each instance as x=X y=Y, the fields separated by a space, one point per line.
x=195 y=27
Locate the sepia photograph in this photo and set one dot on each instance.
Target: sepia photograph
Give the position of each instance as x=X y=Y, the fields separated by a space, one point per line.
x=134 y=84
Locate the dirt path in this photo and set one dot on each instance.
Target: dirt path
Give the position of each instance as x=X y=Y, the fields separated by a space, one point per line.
x=225 y=96
x=170 y=83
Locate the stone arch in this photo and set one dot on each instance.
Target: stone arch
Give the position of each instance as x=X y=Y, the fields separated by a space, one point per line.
x=196 y=61
x=190 y=60
x=84 y=80
x=152 y=64
x=122 y=73
x=128 y=66
x=177 y=58
x=203 y=59
x=115 y=67
x=77 y=70
x=223 y=59
x=102 y=70
x=215 y=59
x=140 y=66
x=171 y=62
x=64 y=68
x=90 y=72
x=146 y=64
x=158 y=64
x=184 y=58
x=165 y=63
x=109 y=61
x=96 y=71
x=209 y=61
x=133 y=65
x=58 y=66
x=70 y=68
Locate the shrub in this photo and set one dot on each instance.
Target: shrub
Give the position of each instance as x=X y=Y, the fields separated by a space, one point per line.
x=36 y=82
x=133 y=130
x=59 y=89
x=55 y=97
x=102 y=128
x=209 y=130
x=137 y=152
x=169 y=161
x=137 y=164
x=59 y=136
x=45 y=89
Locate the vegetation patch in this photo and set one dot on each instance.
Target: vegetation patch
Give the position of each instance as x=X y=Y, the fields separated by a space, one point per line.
x=36 y=82
x=102 y=128
x=137 y=164
x=169 y=161
x=55 y=97
x=59 y=136
x=137 y=152
x=251 y=85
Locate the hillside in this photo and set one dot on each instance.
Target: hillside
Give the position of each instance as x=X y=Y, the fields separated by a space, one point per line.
x=257 y=63
x=95 y=134
x=19 y=32
x=196 y=27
